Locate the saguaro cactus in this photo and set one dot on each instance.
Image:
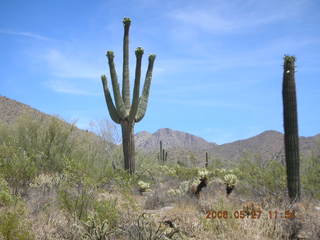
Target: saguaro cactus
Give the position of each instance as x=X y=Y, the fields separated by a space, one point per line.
x=207 y=160
x=163 y=154
x=123 y=111
x=291 y=137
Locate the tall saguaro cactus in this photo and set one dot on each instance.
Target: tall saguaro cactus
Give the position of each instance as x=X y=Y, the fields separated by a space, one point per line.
x=207 y=160
x=123 y=111
x=291 y=137
x=163 y=154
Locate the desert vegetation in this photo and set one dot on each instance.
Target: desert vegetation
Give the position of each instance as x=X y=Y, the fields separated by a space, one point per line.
x=59 y=184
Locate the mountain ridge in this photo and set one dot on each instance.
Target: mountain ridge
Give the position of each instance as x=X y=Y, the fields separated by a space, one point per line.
x=183 y=146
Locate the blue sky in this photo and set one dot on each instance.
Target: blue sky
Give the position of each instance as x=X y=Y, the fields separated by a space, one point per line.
x=218 y=71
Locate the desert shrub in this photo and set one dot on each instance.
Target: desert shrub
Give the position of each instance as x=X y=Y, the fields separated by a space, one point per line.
x=310 y=176
x=33 y=145
x=144 y=227
x=5 y=197
x=13 y=226
x=16 y=166
x=77 y=191
x=107 y=211
x=96 y=229
x=222 y=225
x=261 y=181
x=13 y=223
x=76 y=200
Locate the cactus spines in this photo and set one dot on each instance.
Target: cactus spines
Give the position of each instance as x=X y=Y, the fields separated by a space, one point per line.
x=291 y=137
x=122 y=110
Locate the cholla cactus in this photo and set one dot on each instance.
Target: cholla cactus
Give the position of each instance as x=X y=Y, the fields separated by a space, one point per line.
x=168 y=170
x=181 y=190
x=230 y=179
x=174 y=192
x=143 y=186
x=195 y=181
x=202 y=173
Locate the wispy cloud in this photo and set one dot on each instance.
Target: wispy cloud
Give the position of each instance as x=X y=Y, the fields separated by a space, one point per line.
x=227 y=16
x=63 y=86
x=25 y=34
x=70 y=66
x=205 y=103
x=263 y=55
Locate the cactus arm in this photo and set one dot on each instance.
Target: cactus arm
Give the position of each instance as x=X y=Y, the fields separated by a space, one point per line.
x=115 y=85
x=125 y=73
x=143 y=101
x=112 y=110
x=135 y=100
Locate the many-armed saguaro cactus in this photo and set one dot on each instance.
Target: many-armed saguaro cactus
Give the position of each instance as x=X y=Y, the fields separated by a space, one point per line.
x=123 y=111
x=291 y=137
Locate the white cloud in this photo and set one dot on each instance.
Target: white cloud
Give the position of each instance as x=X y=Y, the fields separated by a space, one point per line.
x=63 y=86
x=70 y=66
x=230 y=16
x=25 y=34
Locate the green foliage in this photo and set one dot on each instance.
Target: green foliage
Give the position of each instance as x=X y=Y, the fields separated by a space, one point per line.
x=96 y=229
x=13 y=226
x=5 y=197
x=76 y=193
x=144 y=227
x=107 y=211
x=16 y=166
x=311 y=176
x=262 y=180
x=13 y=223
x=30 y=146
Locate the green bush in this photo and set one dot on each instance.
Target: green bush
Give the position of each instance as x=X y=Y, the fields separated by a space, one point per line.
x=107 y=210
x=259 y=180
x=13 y=223
x=5 y=197
x=310 y=176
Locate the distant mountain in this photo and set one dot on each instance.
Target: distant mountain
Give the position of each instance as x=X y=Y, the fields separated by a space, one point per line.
x=185 y=147
x=171 y=139
x=180 y=145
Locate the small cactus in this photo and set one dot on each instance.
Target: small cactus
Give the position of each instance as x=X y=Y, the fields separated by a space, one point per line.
x=207 y=160
x=230 y=181
x=203 y=173
x=163 y=154
x=143 y=186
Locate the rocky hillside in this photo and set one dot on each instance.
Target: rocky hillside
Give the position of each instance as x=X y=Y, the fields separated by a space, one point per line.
x=185 y=147
x=10 y=110
x=267 y=145
x=171 y=139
